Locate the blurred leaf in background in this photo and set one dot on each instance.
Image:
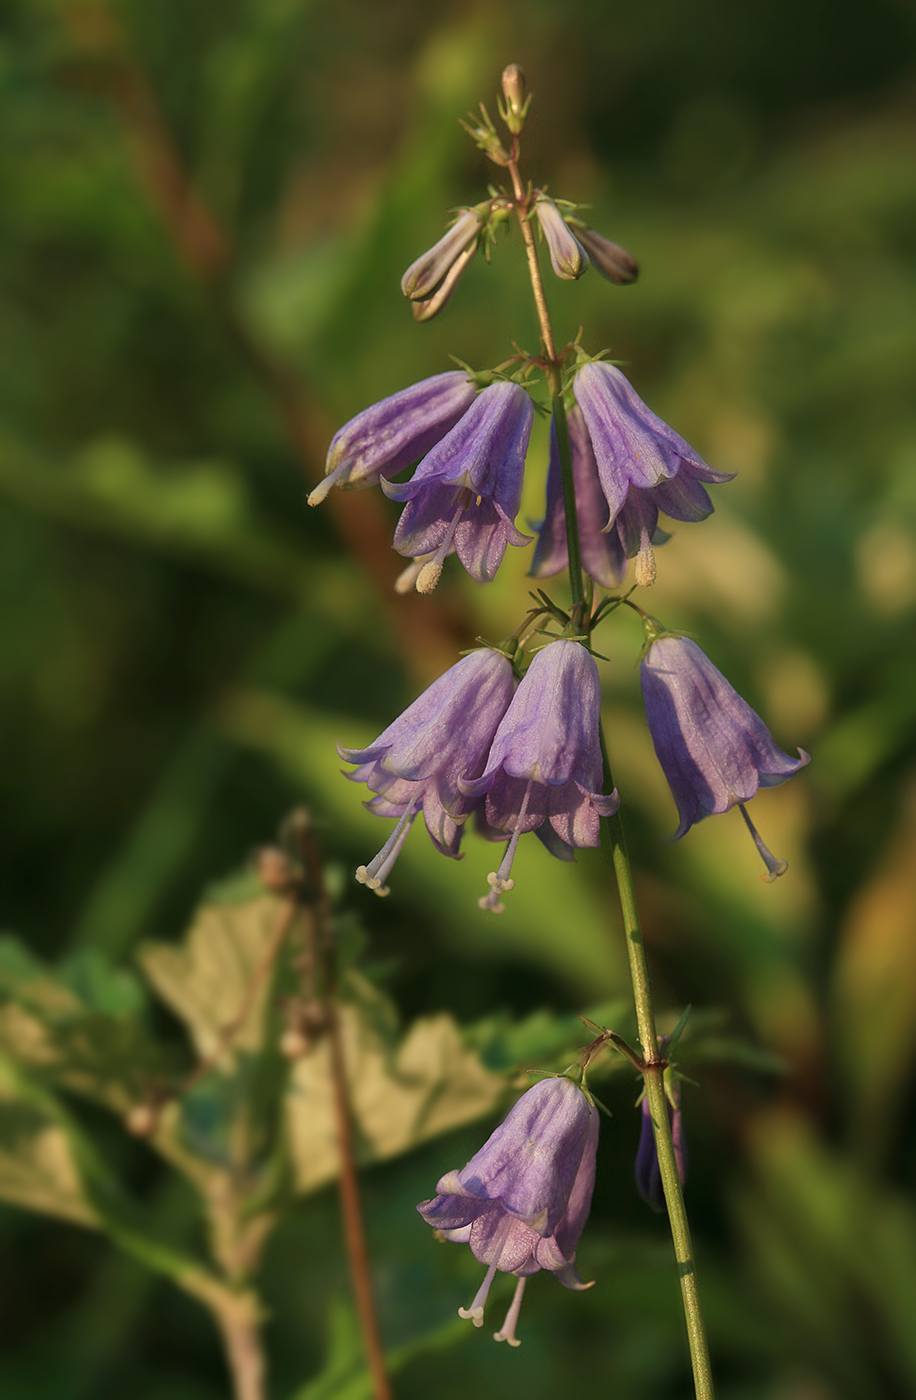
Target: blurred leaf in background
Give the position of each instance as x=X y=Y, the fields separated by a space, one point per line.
x=207 y=209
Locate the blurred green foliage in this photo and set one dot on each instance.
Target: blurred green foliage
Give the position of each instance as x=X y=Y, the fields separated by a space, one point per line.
x=183 y=642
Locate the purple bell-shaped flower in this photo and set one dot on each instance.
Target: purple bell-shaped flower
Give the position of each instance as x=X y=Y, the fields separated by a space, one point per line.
x=714 y=749
x=464 y=496
x=544 y=770
x=605 y=545
x=415 y=764
x=636 y=452
x=522 y=1200
x=395 y=433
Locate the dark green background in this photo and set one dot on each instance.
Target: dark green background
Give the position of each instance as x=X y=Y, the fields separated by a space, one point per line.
x=182 y=640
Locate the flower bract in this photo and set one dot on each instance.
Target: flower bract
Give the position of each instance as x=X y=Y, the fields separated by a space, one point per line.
x=522 y=1200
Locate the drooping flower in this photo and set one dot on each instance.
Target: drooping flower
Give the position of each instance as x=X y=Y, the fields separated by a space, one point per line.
x=523 y=1199
x=415 y=764
x=648 y=1171
x=634 y=449
x=568 y=258
x=544 y=770
x=423 y=276
x=396 y=432
x=605 y=545
x=612 y=261
x=464 y=495
x=714 y=749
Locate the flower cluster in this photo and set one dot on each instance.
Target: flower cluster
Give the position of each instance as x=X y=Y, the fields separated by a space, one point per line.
x=522 y=1200
x=525 y=759
x=511 y=736
x=470 y=445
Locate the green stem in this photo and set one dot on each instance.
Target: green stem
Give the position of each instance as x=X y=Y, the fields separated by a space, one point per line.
x=654 y=1080
x=654 y=1066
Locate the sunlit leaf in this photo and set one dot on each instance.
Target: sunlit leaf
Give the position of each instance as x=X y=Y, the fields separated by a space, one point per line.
x=77 y=1027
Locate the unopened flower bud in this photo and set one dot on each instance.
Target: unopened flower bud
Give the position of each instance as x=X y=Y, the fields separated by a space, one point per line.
x=612 y=261
x=423 y=276
x=648 y=1172
x=426 y=310
x=515 y=91
x=567 y=256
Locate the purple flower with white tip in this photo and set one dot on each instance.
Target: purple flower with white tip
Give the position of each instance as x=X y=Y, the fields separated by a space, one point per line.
x=544 y=770
x=635 y=451
x=464 y=495
x=415 y=764
x=395 y=433
x=567 y=256
x=648 y=1171
x=605 y=545
x=431 y=268
x=523 y=1199
x=714 y=749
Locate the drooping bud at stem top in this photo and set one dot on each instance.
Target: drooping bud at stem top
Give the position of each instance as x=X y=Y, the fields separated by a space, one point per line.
x=423 y=276
x=612 y=261
x=515 y=91
x=567 y=256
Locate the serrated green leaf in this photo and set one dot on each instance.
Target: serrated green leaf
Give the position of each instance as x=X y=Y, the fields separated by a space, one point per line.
x=206 y=980
x=431 y=1082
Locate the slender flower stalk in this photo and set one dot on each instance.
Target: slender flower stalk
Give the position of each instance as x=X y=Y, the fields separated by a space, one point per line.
x=653 y=1073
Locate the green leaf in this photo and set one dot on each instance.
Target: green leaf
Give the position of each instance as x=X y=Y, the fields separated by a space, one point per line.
x=429 y=1082
x=206 y=981
x=77 y=1027
x=39 y=1170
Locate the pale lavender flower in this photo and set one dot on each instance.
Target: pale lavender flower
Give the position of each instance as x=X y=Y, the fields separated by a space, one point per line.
x=423 y=276
x=464 y=495
x=396 y=432
x=605 y=545
x=648 y=1172
x=415 y=764
x=612 y=261
x=634 y=449
x=568 y=258
x=523 y=1199
x=544 y=770
x=714 y=750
